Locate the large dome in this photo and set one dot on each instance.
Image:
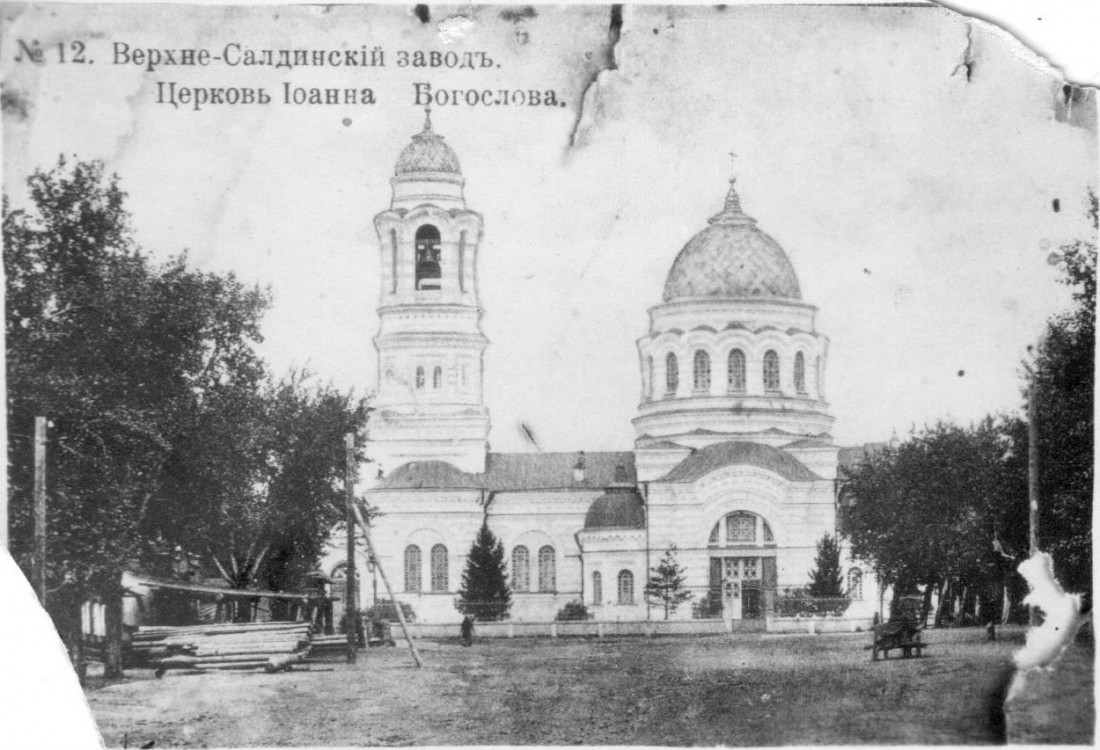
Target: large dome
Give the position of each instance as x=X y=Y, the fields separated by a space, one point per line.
x=732 y=258
x=427 y=153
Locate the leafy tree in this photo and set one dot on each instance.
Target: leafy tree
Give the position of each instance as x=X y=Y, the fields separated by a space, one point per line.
x=485 y=592
x=166 y=429
x=665 y=587
x=826 y=580
x=927 y=511
x=1064 y=379
x=258 y=484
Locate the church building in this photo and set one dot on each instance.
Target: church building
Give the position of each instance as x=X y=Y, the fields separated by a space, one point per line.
x=733 y=461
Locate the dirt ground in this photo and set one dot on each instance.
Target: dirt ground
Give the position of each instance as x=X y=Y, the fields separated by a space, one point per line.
x=716 y=690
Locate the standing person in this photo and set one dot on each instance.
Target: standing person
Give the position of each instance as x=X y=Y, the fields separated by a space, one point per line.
x=467 y=630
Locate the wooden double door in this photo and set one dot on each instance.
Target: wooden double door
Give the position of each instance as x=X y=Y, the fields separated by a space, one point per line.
x=744 y=582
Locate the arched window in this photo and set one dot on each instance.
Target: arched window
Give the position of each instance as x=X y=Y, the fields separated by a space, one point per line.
x=735 y=371
x=439 y=568
x=741 y=527
x=855 y=584
x=462 y=261
x=419 y=377
x=701 y=371
x=817 y=376
x=800 y=373
x=547 y=582
x=521 y=569
x=393 y=264
x=626 y=587
x=437 y=377
x=412 y=568
x=648 y=378
x=427 y=258
x=597 y=588
x=771 y=370
x=672 y=375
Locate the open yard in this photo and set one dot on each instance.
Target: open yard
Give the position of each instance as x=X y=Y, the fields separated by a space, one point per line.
x=728 y=690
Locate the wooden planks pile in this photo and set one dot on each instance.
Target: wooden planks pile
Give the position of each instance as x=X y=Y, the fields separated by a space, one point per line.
x=272 y=646
x=328 y=647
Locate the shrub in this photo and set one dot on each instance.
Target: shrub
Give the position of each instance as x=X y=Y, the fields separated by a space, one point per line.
x=708 y=606
x=574 y=610
x=798 y=603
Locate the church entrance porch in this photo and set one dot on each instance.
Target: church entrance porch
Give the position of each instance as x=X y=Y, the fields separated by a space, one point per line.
x=744 y=584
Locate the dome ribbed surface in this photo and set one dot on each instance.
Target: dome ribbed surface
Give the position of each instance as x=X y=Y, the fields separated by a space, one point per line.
x=427 y=153
x=732 y=258
x=619 y=508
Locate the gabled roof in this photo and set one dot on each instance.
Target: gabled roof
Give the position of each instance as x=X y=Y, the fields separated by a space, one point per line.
x=551 y=471
x=517 y=472
x=734 y=453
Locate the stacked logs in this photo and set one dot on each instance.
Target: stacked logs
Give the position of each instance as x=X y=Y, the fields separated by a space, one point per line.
x=328 y=647
x=273 y=646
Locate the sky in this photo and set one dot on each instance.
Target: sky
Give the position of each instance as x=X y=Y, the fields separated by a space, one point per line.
x=915 y=202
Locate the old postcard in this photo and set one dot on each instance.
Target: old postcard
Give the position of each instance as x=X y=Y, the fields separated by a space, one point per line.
x=551 y=375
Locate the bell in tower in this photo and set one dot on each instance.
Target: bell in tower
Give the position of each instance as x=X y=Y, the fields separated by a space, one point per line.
x=429 y=404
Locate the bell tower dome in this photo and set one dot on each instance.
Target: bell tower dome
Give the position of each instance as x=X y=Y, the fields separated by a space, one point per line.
x=429 y=403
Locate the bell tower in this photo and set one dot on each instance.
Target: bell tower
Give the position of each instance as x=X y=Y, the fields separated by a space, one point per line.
x=429 y=404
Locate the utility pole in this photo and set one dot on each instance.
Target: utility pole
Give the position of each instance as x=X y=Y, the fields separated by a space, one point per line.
x=351 y=614
x=40 y=509
x=1032 y=480
x=386 y=583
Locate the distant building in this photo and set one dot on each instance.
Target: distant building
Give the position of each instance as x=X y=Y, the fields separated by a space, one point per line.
x=734 y=463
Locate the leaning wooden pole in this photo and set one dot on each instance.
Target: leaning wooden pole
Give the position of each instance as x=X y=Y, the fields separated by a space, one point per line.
x=40 y=509
x=386 y=583
x=351 y=614
x=1032 y=479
